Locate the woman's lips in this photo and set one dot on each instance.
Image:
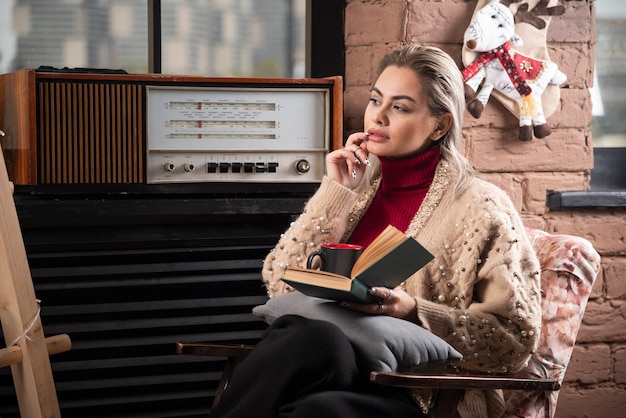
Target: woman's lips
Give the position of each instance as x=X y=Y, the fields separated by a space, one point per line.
x=376 y=136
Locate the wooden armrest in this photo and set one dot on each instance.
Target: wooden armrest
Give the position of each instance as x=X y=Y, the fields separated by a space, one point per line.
x=450 y=386
x=461 y=381
x=214 y=349
x=234 y=353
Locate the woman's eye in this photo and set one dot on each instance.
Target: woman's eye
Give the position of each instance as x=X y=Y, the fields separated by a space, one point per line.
x=374 y=100
x=400 y=108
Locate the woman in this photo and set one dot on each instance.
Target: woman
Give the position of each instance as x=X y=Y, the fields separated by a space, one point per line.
x=480 y=293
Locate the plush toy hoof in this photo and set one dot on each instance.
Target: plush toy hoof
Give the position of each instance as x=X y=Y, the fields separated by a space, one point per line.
x=470 y=94
x=475 y=107
x=526 y=133
x=541 y=131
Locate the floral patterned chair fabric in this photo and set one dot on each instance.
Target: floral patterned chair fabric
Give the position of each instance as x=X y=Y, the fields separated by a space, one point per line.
x=569 y=267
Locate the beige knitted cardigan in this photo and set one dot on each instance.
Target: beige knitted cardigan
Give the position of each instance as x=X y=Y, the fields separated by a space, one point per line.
x=481 y=293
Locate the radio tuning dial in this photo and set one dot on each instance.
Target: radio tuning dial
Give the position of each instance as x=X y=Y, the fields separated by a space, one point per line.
x=169 y=167
x=303 y=166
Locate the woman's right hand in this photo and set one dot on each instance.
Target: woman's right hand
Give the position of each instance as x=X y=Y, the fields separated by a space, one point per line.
x=347 y=165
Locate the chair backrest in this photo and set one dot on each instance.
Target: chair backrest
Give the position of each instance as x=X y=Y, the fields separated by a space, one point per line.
x=569 y=267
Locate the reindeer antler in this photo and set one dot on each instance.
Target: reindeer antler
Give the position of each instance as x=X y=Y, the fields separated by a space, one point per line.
x=507 y=3
x=533 y=17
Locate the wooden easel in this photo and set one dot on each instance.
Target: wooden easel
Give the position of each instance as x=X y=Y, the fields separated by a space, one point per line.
x=28 y=349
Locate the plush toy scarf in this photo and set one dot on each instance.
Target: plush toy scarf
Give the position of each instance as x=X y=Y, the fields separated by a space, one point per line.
x=503 y=55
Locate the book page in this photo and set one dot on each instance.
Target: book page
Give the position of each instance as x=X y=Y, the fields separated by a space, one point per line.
x=317 y=278
x=389 y=239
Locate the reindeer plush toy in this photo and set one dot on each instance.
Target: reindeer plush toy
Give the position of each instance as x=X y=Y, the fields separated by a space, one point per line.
x=496 y=65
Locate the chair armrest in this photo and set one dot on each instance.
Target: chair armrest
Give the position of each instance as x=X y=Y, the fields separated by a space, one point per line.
x=438 y=376
x=233 y=351
x=451 y=386
x=456 y=381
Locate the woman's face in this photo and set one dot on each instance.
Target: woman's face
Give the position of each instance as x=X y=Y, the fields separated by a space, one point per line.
x=397 y=119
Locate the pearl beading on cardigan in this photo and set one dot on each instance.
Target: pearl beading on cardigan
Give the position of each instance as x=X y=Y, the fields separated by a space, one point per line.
x=480 y=339
x=293 y=232
x=483 y=331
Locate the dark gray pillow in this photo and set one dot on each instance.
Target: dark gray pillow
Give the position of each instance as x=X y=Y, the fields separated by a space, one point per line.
x=384 y=343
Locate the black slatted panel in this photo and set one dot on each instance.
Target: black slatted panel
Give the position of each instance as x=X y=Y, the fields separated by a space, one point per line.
x=127 y=287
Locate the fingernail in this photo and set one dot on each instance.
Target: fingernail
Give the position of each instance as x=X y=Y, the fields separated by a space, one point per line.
x=354 y=174
x=356 y=160
x=367 y=161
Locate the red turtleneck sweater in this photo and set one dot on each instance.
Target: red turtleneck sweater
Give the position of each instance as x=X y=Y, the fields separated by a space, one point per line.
x=402 y=190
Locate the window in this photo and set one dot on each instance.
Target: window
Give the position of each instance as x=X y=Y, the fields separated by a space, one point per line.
x=235 y=38
x=608 y=127
x=609 y=97
x=609 y=92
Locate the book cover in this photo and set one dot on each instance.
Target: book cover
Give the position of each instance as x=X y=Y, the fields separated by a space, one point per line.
x=391 y=258
x=354 y=292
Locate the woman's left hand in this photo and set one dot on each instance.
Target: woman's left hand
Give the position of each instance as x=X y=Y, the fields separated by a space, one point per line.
x=396 y=303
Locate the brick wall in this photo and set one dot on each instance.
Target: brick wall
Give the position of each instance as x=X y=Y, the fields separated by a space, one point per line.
x=595 y=383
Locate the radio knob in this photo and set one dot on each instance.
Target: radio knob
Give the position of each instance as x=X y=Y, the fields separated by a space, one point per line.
x=169 y=167
x=303 y=166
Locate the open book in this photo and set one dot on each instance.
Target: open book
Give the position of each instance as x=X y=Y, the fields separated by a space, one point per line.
x=388 y=261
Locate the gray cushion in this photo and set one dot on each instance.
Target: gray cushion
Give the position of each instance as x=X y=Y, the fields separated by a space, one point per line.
x=383 y=342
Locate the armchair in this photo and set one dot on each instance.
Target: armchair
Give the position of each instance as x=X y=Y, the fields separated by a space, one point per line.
x=569 y=267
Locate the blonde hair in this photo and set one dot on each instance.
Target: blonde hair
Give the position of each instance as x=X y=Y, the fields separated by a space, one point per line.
x=443 y=84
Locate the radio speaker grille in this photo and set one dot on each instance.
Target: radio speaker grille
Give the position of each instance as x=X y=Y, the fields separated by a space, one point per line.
x=90 y=132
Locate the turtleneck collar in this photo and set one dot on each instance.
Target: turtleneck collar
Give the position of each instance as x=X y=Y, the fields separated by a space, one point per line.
x=414 y=172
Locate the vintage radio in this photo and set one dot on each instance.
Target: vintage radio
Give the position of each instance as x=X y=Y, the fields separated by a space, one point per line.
x=65 y=128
